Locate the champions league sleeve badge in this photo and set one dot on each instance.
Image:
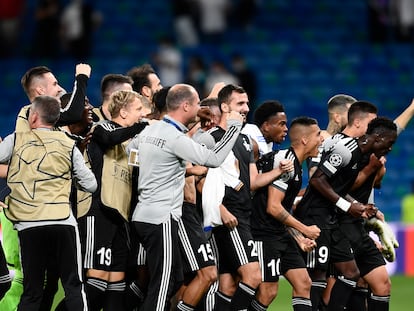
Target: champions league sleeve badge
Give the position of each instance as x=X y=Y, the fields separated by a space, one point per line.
x=333 y=162
x=335 y=159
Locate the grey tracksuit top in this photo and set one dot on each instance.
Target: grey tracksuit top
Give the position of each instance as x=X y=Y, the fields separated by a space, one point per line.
x=163 y=151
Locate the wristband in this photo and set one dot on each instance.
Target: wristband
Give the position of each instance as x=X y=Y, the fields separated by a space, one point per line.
x=343 y=204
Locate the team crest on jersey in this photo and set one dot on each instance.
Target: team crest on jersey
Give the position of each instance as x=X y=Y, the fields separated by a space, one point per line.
x=335 y=159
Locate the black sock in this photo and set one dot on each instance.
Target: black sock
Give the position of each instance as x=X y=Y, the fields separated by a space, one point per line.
x=358 y=299
x=95 y=293
x=378 y=303
x=316 y=293
x=5 y=285
x=242 y=298
x=257 y=306
x=222 y=302
x=209 y=298
x=340 y=294
x=115 y=296
x=134 y=296
x=182 y=306
x=322 y=306
x=301 y=304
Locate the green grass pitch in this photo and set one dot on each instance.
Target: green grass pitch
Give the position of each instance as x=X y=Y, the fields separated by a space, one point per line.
x=401 y=294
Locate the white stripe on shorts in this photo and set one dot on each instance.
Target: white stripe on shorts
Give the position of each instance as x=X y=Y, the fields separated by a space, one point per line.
x=90 y=242
x=166 y=265
x=238 y=246
x=185 y=242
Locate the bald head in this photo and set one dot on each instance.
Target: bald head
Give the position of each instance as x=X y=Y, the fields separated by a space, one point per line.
x=180 y=93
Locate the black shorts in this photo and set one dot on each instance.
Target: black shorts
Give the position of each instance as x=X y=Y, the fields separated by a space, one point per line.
x=138 y=255
x=104 y=242
x=332 y=247
x=277 y=256
x=235 y=247
x=195 y=247
x=164 y=261
x=367 y=255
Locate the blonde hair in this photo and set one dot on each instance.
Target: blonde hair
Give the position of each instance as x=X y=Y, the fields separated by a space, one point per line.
x=121 y=99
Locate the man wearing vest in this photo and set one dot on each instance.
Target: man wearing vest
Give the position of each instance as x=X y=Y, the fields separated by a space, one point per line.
x=42 y=164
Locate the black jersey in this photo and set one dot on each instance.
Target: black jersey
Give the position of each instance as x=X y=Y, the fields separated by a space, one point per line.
x=361 y=194
x=263 y=224
x=73 y=111
x=341 y=164
x=238 y=202
x=327 y=144
x=106 y=135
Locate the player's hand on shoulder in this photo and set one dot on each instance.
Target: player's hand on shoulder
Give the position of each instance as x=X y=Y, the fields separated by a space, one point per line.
x=286 y=166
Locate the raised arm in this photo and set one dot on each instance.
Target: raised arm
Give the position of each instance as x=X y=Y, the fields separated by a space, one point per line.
x=405 y=117
x=73 y=111
x=194 y=152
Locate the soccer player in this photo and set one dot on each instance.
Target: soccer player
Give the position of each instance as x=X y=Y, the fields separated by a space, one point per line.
x=110 y=83
x=235 y=244
x=41 y=81
x=269 y=127
x=369 y=259
x=325 y=196
x=338 y=106
x=367 y=256
x=104 y=229
x=277 y=249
